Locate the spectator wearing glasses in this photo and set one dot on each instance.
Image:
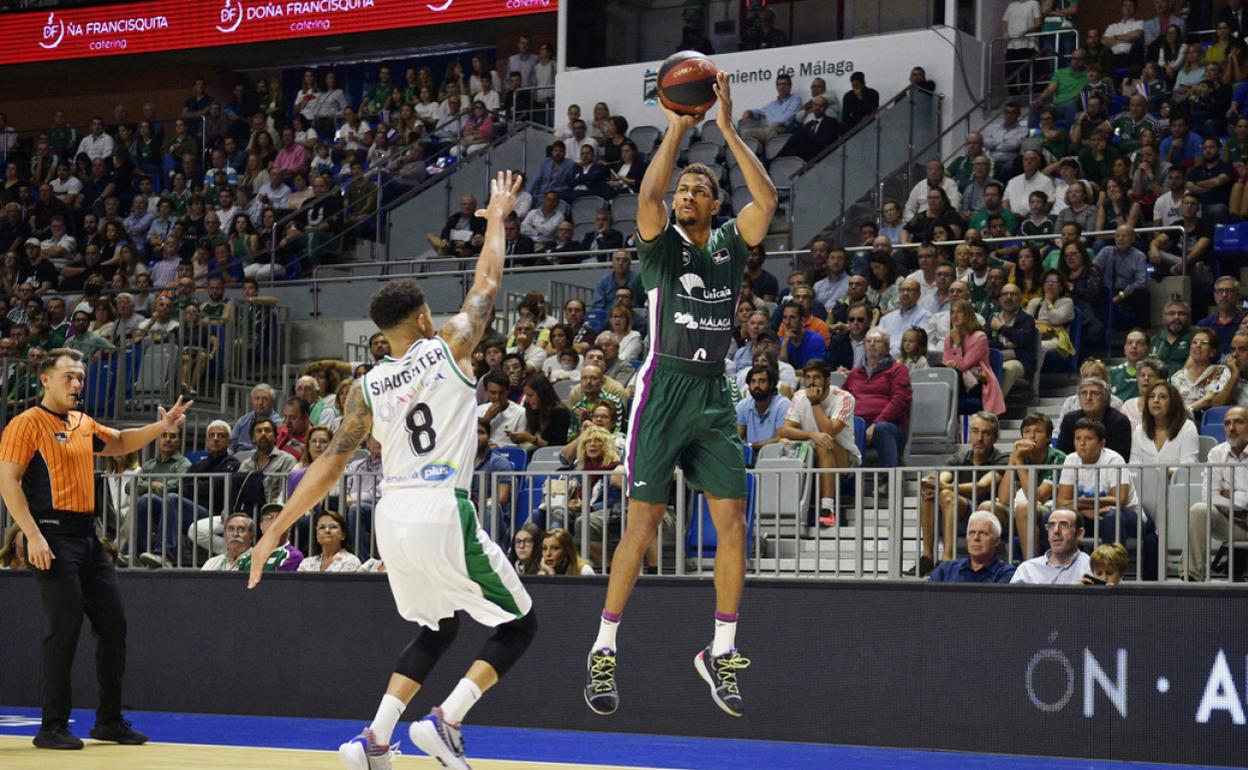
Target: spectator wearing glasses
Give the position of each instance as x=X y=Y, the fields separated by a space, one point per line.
x=526 y=554
x=848 y=349
x=1225 y=321
x=1202 y=383
x=332 y=552
x=1063 y=563
x=980 y=565
x=1094 y=403
x=1095 y=482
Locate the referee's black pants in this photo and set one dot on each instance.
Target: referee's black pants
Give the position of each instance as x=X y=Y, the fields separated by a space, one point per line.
x=82 y=580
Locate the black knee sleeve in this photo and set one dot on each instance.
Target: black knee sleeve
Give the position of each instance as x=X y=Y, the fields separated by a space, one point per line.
x=509 y=642
x=419 y=658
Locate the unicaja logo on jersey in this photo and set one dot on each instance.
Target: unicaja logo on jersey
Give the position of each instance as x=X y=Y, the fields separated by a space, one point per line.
x=437 y=472
x=694 y=287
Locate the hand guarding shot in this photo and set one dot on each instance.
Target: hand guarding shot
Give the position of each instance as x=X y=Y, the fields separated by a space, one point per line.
x=421 y=407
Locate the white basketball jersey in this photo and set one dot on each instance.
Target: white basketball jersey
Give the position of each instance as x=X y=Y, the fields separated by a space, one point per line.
x=424 y=417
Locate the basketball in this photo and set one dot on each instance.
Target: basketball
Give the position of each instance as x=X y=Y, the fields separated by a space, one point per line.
x=685 y=83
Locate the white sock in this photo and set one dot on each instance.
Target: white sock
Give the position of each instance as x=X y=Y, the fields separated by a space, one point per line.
x=388 y=715
x=606 y=634
x=725 y=634
x=826 y=502
x=462 y=698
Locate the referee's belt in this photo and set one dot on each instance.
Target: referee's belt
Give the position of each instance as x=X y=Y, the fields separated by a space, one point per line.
x=66 y=522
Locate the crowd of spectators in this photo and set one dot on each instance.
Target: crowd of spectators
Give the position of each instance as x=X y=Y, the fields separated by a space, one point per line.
x=1142 y=126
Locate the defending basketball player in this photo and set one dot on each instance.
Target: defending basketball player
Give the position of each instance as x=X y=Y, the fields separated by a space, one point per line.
x=682 y=411
x=420 y=406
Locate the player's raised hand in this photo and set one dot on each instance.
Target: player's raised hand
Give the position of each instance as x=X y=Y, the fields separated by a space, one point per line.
x=503 y=191
x=259 y=555
x=681 y=123
x=175 y=415
x=723 y=92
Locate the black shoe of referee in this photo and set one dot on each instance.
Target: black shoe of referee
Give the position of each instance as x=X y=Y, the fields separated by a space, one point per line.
x=57 y=738
x=118 y=732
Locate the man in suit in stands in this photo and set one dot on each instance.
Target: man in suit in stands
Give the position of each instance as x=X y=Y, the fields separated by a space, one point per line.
x=847 y=350
x=604 y=238
x=820 y=131
x=515 y=242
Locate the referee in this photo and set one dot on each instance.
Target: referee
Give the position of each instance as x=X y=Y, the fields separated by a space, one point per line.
x=47 y=481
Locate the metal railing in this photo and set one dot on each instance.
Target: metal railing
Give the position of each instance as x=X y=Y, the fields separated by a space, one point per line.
x=995 y=81
x=851 y=168
x=886 y=519
x=133 y=380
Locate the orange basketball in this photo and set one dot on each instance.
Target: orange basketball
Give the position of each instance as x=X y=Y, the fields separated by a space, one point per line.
x=685 y=83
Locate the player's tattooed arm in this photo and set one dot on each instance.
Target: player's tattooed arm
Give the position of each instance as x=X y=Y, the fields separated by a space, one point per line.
x=464 y=330
x=357 y=420
x=466 y=327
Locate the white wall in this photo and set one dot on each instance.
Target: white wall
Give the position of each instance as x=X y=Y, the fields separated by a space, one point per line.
x=885 y=59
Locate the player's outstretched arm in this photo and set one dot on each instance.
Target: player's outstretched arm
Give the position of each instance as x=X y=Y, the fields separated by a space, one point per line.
x=464 y=330
x=652 y=194
x=754 y=220
x=322 y=474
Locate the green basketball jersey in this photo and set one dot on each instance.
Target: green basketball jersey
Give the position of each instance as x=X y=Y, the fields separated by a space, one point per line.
x=692 y=292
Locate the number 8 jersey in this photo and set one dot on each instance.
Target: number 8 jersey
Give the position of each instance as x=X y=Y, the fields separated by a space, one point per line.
x=424 y=417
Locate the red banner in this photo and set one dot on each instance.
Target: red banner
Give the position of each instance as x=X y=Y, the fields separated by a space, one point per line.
x=168 y=25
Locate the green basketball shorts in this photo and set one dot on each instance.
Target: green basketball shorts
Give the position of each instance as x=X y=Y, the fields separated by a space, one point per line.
x=682 y=414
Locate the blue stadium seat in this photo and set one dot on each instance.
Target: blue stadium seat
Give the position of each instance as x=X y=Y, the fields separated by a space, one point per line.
x=704 y=527
x=860 y=435
x=1211 y=423
x=518 y=458
x=195 y=457
x=1230 y=239
x=747 y=453
x=525 y=499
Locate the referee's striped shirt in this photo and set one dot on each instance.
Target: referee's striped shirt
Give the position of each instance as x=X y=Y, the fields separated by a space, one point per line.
x=56 y=450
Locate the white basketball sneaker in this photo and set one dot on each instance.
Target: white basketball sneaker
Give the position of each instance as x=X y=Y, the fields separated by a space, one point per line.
x=440 y=740
x=363 y=752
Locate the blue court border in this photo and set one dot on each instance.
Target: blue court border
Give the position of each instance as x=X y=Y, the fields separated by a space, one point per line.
x=624 y=749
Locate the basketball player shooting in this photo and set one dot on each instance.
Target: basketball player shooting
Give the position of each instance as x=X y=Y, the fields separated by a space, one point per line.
x=682 y=412
x=421 y=407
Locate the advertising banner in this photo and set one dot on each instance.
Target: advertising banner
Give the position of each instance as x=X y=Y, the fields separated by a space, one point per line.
x=169 y=25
